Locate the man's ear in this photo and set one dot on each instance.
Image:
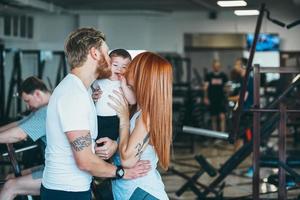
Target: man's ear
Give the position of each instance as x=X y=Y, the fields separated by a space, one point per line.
x=95 y=53
x=37 y=93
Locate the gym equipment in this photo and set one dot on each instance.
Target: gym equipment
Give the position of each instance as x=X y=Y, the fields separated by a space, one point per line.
x=16 y=78
x=205 y=132
x=191 y=183
x=257 y=111
x=21 y=150
x=237 y=113
x=15 y=83
x=15 y=166
x=267 y=128
x=2 y=81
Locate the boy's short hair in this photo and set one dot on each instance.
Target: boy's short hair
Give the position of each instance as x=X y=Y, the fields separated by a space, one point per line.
x=31 y=84
x=120 y=52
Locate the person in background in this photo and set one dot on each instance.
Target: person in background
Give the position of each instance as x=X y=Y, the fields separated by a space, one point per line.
x=215 y=96
x=245 y=135
x=36 y=96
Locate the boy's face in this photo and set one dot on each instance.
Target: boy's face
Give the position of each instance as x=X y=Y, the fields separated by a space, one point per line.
x=119 y=64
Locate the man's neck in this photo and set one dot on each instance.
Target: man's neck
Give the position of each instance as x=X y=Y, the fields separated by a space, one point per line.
x=85 y=75
x=46 y=98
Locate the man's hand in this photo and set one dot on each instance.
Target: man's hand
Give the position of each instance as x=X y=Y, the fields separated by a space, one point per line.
x=105 y=148
x=141 y=168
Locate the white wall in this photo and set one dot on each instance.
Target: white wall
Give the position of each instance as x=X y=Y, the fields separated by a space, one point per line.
x=155 y=31
x=49 y=33
x=164 y=32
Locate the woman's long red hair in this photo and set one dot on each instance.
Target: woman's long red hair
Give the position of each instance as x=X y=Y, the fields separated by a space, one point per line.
x=152 y=76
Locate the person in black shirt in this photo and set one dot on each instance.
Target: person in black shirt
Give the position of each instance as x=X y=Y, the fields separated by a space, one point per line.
x=240 y=69
x=215 y=96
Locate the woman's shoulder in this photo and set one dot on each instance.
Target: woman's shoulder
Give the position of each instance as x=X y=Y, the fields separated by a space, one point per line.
x=140 y=122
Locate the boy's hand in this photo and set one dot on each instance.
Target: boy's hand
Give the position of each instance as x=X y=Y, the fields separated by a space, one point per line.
x=123 y=81
x=96 y=94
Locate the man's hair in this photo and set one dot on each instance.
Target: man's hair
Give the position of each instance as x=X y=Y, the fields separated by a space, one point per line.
x=243 y=60
x=120 y=52
x=31 y=84
x=78 y=44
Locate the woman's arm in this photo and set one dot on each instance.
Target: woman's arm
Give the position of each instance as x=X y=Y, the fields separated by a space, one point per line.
x=132 y=145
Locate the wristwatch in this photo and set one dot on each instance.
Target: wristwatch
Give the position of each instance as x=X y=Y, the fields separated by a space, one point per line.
x=120 y=172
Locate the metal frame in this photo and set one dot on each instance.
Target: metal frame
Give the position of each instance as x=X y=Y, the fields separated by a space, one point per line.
x=258 y=111
x=239 y=156
x=16 y=76
x=282 y=131
x=15 y=81
x=2 y=82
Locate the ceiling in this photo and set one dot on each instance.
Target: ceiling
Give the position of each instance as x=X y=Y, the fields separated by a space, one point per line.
x=138 y=5
x=168 y=5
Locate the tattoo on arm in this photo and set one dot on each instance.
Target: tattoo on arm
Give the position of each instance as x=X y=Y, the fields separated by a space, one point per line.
x=140 y=146
x=81 y=142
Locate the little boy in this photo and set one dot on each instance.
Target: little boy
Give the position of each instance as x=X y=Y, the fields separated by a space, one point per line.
x=108 y=121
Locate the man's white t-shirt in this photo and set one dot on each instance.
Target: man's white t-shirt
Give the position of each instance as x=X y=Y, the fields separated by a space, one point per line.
x=70 y=108
x=107 y=87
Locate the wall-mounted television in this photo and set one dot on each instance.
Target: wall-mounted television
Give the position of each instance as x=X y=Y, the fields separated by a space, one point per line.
x=266 y=42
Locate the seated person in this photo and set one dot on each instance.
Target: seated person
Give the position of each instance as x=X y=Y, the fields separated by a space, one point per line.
x=36 y=95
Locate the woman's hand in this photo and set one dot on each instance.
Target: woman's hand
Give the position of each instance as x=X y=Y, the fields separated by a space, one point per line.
x=120 y=105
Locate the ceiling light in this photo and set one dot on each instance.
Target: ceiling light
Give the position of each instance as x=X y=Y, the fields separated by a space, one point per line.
x=232 y=3
x=246 y=12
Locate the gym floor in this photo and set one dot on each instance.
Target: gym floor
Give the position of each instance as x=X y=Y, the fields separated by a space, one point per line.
x=238 y=184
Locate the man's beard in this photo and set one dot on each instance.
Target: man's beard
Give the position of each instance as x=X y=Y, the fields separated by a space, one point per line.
x=103 y=69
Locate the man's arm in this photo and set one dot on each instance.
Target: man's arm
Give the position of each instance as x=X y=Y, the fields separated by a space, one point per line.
x=12 y=135
x=86 y=160
x=8 y=126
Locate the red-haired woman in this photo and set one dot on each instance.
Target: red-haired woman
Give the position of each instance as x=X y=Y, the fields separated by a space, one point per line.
x=148 y=134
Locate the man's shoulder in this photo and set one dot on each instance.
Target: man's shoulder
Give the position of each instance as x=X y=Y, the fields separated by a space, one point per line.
x=224 y=75
x=208 y=75
x=41 y=110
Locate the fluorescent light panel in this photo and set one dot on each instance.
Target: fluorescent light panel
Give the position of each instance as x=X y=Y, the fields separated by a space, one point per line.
x=232 y=3
x=246 y=12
